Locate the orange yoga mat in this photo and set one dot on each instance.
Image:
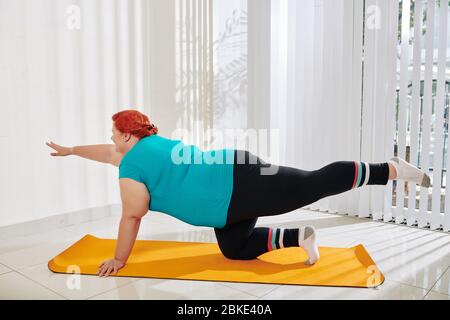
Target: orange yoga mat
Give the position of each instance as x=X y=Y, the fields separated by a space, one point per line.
x=346 y=267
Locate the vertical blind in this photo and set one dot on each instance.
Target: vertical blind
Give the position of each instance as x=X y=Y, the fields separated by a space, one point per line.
x=365 y=80
x=406 y=68
x=194 y=70
x=316 y=89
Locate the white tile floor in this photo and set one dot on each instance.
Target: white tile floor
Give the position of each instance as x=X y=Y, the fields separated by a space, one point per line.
x=416 y=262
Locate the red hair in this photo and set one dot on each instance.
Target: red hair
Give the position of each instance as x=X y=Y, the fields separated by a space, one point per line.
x=134 y=122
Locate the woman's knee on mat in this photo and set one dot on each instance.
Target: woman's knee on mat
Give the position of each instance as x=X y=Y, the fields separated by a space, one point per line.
x=230 y=250
x=239 y=250
x=237 y=255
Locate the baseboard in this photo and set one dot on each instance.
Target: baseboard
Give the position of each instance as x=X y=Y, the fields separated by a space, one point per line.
x=59 y=221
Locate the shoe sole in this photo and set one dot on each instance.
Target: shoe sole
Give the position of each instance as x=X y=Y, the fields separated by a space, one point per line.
x=426 y=182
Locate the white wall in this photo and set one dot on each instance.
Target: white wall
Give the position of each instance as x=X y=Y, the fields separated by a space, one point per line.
x=64 y=85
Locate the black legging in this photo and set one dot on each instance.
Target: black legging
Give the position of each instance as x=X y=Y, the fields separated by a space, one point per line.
x=257 y=195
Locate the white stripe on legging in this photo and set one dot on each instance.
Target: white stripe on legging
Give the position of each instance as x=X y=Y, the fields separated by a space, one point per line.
x=280 y=242
x=366 y=180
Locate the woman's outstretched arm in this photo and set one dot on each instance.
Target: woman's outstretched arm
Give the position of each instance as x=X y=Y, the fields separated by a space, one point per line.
x=104 y=153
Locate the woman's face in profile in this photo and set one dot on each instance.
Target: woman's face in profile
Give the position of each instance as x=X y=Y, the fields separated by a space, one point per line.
x=116 y=138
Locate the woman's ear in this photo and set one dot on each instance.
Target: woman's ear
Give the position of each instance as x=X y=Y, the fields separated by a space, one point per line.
x=126 y=136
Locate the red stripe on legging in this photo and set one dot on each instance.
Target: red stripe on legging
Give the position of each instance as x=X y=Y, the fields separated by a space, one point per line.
x=269 y=240
x=356 y=174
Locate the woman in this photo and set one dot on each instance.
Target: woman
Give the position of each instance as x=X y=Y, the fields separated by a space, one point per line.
x=225 y=189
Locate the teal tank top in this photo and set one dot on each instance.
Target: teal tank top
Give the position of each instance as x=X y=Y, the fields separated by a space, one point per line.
x=183 y=181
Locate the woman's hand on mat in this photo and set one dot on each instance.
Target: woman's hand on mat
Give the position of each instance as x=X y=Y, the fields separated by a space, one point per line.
x=62 y=151
x=110 y=267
